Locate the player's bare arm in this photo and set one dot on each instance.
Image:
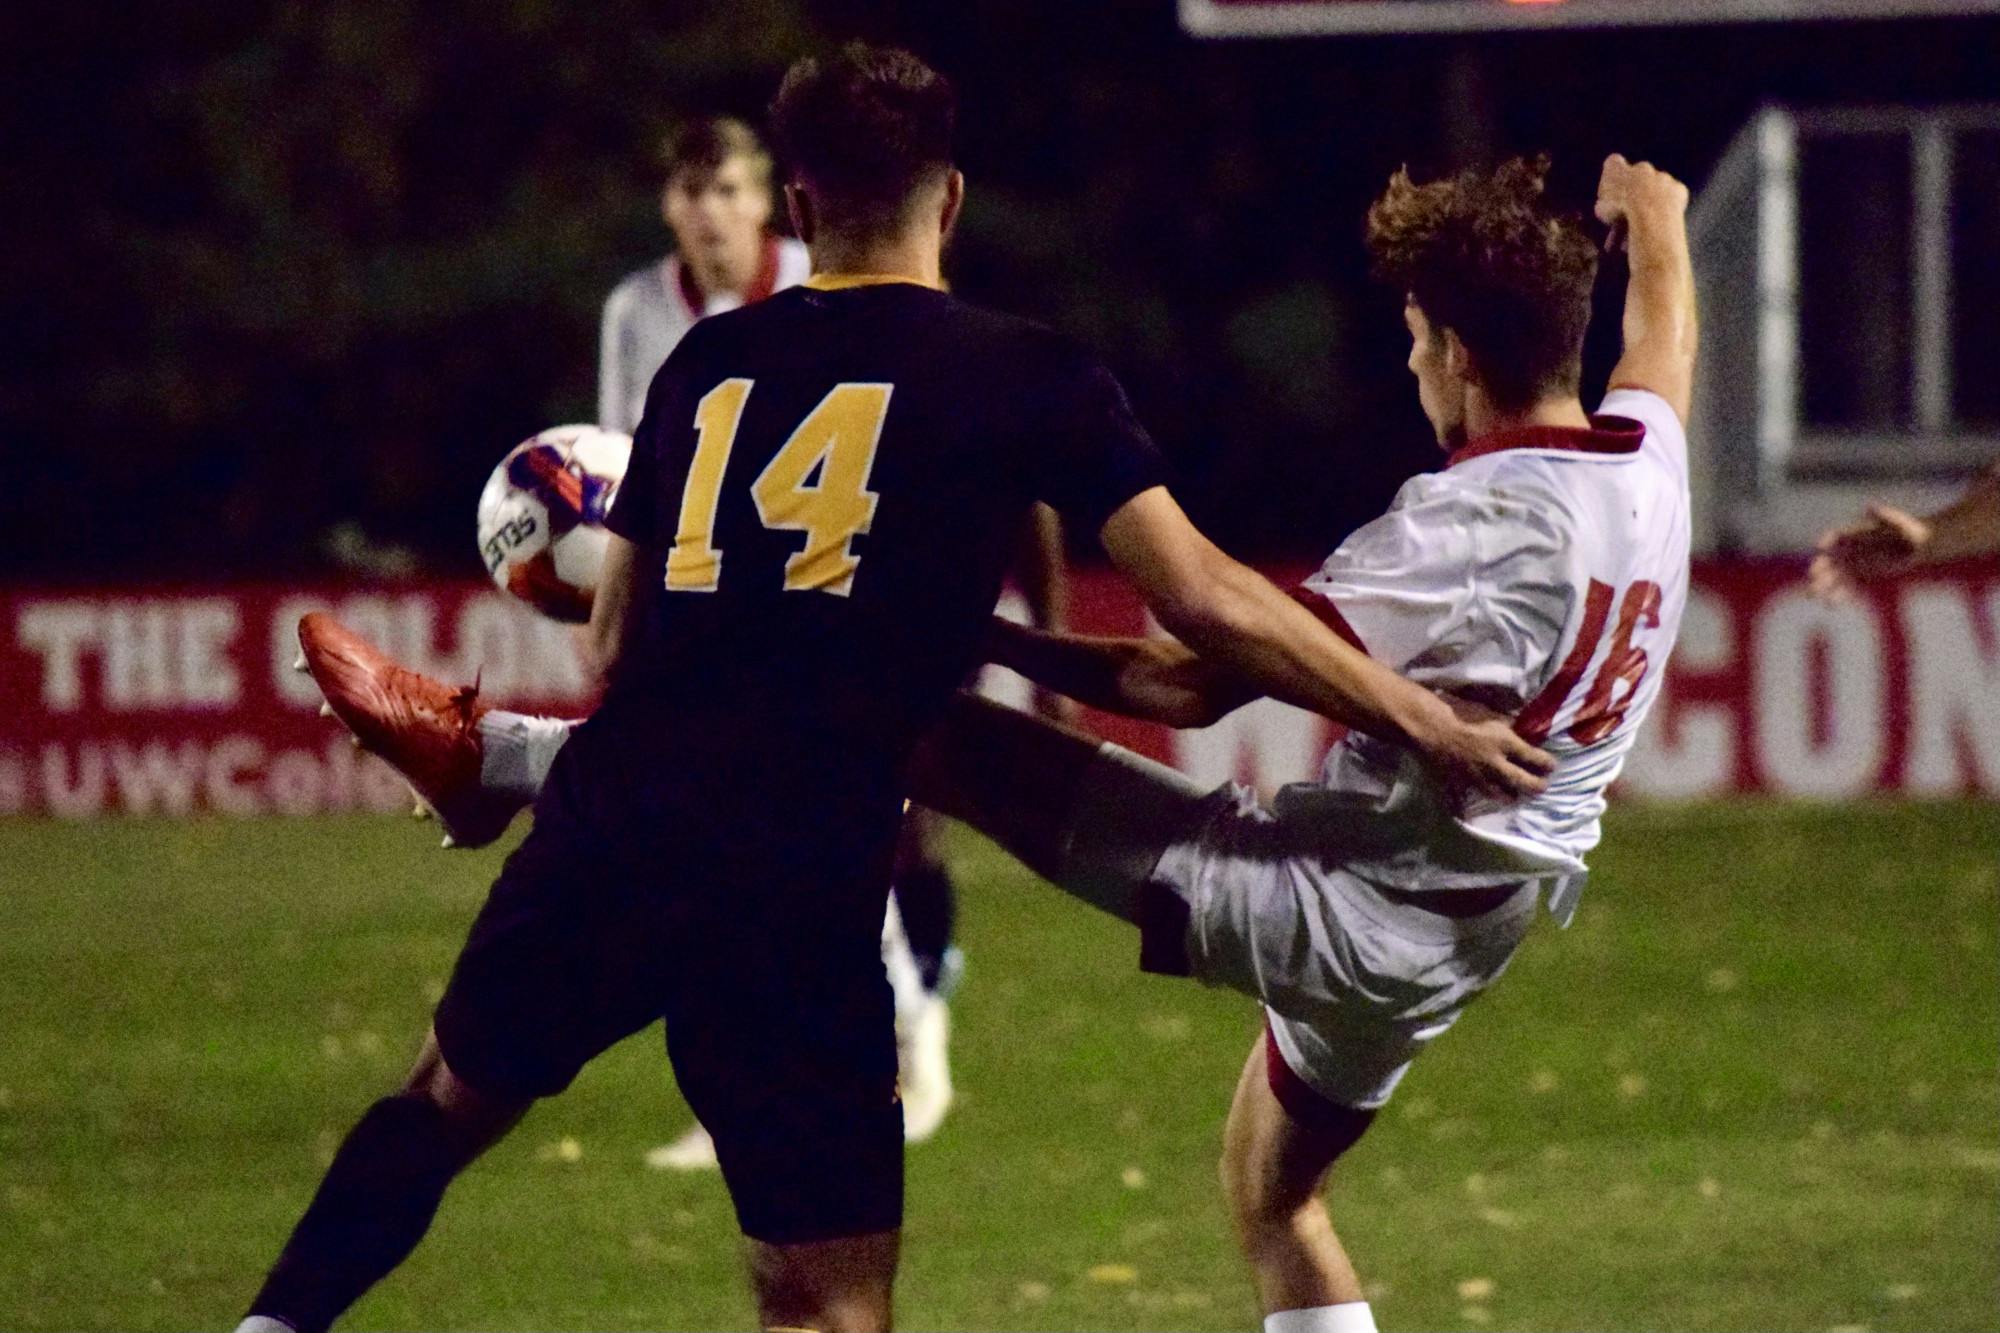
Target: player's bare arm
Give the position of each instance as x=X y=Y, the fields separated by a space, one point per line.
x=1154 y=679
x=1888 y=541
x=1646 y=210
x=1039 y=568
x=1229 y=613
x=614 y=613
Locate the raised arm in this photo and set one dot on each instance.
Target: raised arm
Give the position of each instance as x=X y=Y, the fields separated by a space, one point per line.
x=1235 y=617
x=1646 y=210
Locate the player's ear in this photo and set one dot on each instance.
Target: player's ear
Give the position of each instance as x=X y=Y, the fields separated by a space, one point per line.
x=798 y=204
x=954 y=201
x=1457 y=357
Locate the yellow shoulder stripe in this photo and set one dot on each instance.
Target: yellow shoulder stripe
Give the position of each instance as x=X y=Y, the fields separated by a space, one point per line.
x=833 y=282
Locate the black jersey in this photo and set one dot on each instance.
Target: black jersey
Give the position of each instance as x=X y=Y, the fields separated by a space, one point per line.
x=830 y=485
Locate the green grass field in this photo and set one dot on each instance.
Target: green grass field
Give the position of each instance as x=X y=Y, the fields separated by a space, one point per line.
x=1754 y=1087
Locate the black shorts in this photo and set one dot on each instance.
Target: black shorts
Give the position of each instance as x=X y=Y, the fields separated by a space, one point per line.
x=758 y=943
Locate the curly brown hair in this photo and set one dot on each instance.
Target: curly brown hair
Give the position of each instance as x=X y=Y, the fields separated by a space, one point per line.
x=1485 y=256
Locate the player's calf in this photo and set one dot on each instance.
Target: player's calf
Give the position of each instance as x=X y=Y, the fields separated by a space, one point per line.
x=831 y=1286
x=379 y=1195
x=1277 y=1150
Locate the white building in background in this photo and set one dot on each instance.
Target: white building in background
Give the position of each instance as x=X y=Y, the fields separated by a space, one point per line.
x=1849 y=267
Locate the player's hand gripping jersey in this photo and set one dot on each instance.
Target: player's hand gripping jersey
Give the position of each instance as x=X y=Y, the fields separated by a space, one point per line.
x=1542 y=573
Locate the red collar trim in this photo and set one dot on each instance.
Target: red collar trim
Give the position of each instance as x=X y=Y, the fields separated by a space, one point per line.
x=691 y=293
x=760 y=287
x=767 y=274
x=1606 y=435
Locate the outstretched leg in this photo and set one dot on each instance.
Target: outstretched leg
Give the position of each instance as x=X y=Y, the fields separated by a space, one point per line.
x=1091 y=818
x=379 y=1195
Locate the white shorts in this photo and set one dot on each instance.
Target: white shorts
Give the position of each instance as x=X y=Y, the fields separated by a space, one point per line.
x=1354 y=983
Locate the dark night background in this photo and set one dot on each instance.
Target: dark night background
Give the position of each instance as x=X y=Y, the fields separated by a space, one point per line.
x=272 y=271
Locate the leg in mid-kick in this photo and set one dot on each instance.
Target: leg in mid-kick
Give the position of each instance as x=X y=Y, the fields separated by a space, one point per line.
x=475 y=767
x=1091 y=818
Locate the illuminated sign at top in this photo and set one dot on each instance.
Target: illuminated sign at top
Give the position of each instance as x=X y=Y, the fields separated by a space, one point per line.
x=1304 y=18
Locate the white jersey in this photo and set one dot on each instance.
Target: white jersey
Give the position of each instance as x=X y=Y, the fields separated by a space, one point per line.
x=1542 y=573
x=651 y=311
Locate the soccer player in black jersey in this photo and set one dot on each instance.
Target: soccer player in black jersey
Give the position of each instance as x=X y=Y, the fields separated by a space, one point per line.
x=823 y=496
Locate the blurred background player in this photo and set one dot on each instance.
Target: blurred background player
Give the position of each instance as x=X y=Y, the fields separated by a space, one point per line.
x=1888 y=541
x=717 y=203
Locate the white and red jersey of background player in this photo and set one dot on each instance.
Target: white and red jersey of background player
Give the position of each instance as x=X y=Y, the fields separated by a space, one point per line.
x=1542 y=572
x=649 y=313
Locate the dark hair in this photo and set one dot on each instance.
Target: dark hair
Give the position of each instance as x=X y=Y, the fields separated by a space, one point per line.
x=863 y=129
x=704 y=145
x=1485 y=256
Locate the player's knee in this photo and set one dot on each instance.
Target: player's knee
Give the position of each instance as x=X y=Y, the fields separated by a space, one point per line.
x=477 y=1115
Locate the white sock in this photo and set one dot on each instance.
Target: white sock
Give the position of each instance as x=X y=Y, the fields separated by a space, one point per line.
x=906 y=983
x=1347 y=1317
x=519 y=751
x=263 y=1323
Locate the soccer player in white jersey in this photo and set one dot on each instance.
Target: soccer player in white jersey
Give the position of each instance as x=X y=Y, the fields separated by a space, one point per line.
x=717 y=203
x=1541 y=572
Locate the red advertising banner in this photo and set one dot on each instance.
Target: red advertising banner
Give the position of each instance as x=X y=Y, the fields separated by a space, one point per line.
x=185 y=702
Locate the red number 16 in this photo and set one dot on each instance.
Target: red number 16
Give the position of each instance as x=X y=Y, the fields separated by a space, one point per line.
x=1625 y=665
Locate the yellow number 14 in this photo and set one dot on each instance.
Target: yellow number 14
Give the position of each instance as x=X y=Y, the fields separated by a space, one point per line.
x=817 y=484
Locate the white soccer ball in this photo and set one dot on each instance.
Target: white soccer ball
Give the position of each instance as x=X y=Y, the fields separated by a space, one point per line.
x=541 y=517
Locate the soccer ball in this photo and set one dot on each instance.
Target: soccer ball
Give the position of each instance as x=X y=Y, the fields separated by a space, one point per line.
x=541 y=517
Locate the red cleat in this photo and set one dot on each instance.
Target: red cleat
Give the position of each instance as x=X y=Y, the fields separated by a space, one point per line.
x=424 y=729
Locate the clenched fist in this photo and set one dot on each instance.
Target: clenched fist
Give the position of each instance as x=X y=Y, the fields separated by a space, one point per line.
x=1627 y=190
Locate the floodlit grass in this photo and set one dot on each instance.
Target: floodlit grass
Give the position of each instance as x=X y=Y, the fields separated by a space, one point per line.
x=1754 y=1087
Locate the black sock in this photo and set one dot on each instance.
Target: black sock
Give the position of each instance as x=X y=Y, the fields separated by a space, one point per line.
x=924 y=898
x=372 y=1208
